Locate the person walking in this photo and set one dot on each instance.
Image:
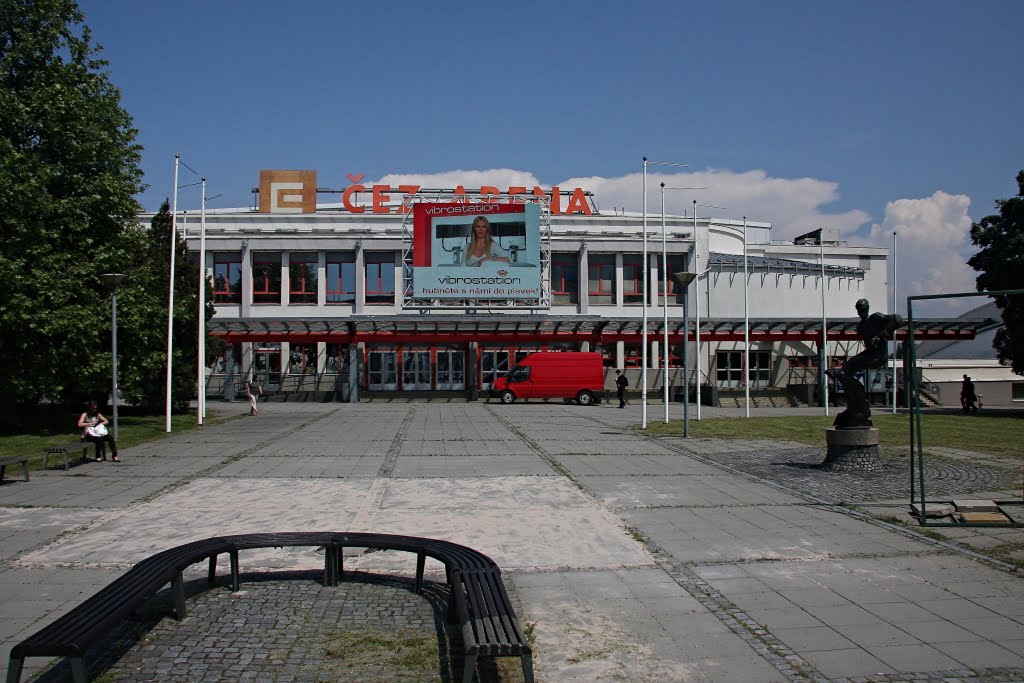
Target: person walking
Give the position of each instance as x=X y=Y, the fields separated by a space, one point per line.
x=253 y=392
x=620 y=387
x=968 y=397
x=94 y=429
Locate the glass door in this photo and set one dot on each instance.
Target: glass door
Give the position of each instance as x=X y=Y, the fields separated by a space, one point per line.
x=451 y=370
x=383 y=370
x=493 y=364
x=760 y=372
x=416 y=370
x=267 y=370
x=729 y=369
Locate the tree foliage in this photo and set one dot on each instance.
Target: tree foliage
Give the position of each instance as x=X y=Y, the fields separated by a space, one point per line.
x=1000 y=262
x=144 y=255
x=68 y=176
x=69 y=173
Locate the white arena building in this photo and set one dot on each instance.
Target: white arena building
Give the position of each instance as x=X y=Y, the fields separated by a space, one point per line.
x=312 y=298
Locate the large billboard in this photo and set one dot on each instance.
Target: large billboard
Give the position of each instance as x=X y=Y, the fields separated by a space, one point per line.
x=476 y=251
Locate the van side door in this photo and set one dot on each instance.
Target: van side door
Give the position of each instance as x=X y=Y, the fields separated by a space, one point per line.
x=520 y=381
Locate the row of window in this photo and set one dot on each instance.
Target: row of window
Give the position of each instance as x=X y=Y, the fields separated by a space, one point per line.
x=601 y=284
x=379 y=274
x=303 y=278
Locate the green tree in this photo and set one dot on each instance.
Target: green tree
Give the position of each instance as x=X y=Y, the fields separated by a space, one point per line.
x=144 y=256
x=1000 y=260
x=68 y=177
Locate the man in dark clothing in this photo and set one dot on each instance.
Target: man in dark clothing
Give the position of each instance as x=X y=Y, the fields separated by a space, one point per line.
x=968 y=399
x=620 y=387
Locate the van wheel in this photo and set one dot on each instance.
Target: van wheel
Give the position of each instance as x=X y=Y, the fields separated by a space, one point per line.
x=508 y=397
x=584 y=398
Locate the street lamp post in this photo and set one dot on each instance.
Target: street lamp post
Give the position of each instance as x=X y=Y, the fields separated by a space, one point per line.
x=696 y=268
x=111 y=281
x=746 y=325
x=664 y=300
x=684 y=280
x=894 y=313
x=647 y=295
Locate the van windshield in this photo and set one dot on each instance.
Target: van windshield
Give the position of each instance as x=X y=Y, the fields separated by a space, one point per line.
x=519 y=373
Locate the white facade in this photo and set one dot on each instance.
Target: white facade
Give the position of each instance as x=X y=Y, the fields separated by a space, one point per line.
x=784 y=281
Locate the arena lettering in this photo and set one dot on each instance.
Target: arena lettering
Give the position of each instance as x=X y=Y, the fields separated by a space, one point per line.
x=381 y=196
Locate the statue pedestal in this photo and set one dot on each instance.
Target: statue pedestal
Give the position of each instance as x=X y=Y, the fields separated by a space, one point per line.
x=852 y=450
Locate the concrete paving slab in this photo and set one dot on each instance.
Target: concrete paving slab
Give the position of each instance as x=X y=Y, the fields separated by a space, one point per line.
x=993 y=628
x=939 y=632
x=912 y=658
x=653 y=560
x=846 y=664
x=876 y=633
x=813 y=639
x=982 y=654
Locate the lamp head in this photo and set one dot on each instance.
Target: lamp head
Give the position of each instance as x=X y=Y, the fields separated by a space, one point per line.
x=684 y=279
x=112 y=280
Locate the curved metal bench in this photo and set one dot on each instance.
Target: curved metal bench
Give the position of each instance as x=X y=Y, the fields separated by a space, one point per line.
x=477 y=597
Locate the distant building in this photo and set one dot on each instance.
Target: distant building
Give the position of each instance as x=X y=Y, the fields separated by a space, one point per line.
x=311 y=297
x=944 y=363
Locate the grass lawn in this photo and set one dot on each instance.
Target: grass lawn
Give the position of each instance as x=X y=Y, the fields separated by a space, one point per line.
x=996 y=434
x=50 y=427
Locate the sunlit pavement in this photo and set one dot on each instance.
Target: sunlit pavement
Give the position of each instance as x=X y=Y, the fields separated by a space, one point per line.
x=630 y=558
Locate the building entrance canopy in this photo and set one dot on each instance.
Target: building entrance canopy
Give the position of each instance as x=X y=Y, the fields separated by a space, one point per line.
x=546 y=328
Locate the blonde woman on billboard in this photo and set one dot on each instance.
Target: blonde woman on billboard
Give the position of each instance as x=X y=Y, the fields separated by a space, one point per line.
x=482 y=247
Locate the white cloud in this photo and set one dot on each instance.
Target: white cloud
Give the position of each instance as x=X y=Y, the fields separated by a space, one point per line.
x=502 y=178
x=793 y=205
x=932 y=248
x=933 y=243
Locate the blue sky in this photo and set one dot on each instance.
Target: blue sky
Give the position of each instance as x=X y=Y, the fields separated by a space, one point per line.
x=869 y=117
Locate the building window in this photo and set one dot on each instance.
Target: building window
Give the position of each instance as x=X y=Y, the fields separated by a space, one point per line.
x=302 y=277
x=227 y=278
x=676 y=264
x=334 y=361
x=631 y=357
x=633 y=279
x=760 y=368
x=601 y=278
x=302 y=359
x=266 y=278
x=1016 y=391
x=341 y=277
x=565 y=279
x=729 y=368
x=380 y=277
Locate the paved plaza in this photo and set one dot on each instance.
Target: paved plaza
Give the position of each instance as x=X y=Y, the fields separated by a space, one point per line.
x=628 y=558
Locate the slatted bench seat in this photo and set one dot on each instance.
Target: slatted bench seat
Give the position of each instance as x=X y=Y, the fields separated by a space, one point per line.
x=66 y=450
x=478 y=601
x=6 y=460
x=489 y=624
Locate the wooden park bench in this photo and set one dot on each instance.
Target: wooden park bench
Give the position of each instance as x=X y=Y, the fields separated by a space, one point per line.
x=477 y=599
x=65 y=450
x=6 y=460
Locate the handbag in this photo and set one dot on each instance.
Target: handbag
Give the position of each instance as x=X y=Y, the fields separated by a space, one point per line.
x=97 y=430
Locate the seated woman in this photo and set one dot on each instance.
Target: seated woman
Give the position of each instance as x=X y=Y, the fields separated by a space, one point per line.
x=94 y=429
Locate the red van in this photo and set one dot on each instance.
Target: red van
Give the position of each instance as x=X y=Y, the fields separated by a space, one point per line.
x=554 y=374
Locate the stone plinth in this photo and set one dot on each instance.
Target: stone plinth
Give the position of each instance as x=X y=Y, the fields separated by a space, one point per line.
x=852 y=450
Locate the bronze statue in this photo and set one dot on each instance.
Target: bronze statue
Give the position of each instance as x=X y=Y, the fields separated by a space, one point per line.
x=875 y=330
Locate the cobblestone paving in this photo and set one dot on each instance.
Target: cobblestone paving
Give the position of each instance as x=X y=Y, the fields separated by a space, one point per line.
x=281 y=628
x=792 y=465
